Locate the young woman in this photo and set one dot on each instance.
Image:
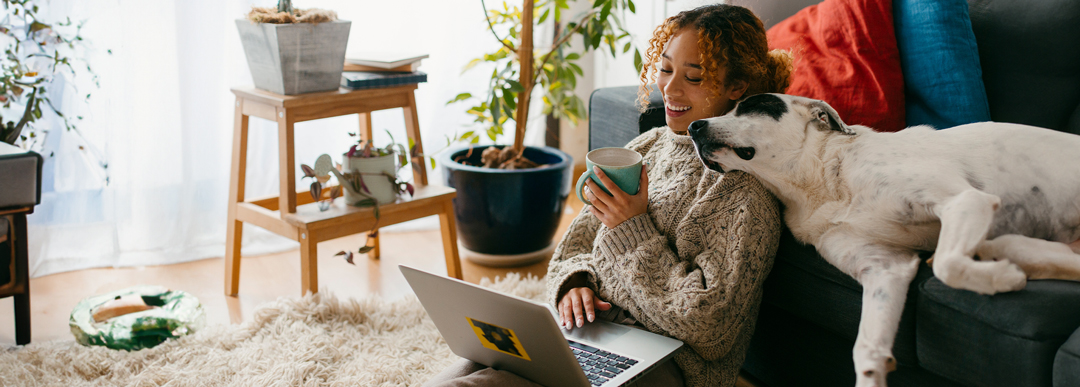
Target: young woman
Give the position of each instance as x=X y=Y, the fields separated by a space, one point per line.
x=686 y=256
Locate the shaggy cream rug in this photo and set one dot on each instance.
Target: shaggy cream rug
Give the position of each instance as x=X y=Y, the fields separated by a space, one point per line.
x=316 y=340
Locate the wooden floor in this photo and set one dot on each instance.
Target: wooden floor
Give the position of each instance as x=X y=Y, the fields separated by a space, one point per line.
x=262 y=279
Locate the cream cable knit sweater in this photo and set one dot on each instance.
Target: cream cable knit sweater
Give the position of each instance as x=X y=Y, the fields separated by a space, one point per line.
x=692 y=267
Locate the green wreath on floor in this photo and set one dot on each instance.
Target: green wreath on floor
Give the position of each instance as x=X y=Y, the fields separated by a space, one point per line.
x=175 y=313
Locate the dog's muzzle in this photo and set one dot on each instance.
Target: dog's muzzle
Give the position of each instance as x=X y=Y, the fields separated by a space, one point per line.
x=707 y=146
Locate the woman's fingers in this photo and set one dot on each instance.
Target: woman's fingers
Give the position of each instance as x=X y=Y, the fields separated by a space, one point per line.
x=565 y=310
x=576 y=299
x=644 y=184
x=598 y=198
x=587 y=300
x=611 y=186
x=601 y=304
x=579 y=306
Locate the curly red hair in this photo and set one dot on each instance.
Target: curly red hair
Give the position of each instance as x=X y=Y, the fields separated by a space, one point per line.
x=729 y=36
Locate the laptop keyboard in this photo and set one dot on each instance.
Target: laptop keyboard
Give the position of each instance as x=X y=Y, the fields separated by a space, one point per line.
x=599 y=365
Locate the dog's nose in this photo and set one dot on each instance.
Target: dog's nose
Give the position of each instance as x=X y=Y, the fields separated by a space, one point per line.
x=697 y=126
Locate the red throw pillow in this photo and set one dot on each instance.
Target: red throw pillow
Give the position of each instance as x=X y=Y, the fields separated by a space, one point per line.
x=846 y=55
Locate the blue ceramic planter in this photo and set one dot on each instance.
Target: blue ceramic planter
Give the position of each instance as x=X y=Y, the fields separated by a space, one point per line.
x=504 y=212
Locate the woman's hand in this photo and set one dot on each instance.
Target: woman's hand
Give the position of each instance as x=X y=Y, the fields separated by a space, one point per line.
x=579 y=304
x=616 y=208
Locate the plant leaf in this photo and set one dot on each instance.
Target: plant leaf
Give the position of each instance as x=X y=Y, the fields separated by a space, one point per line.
x=348 y=256
x=323 y=165
x=515 y=86
x=316 y=190
x=637 y=60
x=460 y=97
x=308 y=171
x=335 y=192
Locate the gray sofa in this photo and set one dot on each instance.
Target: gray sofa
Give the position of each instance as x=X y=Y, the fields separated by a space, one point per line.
x=1030 y=57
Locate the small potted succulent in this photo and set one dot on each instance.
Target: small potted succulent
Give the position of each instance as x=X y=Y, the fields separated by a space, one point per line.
x=368 y=176
x=375 y=170
x=294 y=51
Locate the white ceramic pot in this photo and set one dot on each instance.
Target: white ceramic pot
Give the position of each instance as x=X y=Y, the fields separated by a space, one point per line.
x=373 y=168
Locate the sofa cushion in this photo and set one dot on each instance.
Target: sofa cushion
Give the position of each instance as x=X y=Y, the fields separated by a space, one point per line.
x=1067 y=363
x=940 y=60
x=1031 y=66
x=846 y=55
x=1008 y=339
x=614 y=117
x=804 y=284
x=789 y=351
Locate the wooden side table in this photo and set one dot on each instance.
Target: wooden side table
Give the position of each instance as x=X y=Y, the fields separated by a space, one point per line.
x=294 y=214
x=13 y=232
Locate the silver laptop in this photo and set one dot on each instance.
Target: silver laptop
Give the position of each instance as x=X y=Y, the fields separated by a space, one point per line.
x=521 y=336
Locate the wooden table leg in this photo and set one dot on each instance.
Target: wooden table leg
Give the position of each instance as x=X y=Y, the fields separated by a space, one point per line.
x=412 y=129
x=365 y=132
x=287 y=163
x=449 y=240
x=22 y=260
x=309 y=263
x=235 y=229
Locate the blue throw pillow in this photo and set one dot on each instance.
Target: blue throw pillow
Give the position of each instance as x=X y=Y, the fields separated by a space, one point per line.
x=943 y=83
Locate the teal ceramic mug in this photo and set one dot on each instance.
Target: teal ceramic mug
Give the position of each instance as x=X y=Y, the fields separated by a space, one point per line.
x=621 y=165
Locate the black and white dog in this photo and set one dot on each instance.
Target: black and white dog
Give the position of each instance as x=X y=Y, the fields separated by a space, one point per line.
x=998 y=203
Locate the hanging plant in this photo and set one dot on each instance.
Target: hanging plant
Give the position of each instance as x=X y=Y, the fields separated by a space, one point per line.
x=38 y=52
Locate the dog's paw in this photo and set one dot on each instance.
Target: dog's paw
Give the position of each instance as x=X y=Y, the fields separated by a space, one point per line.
x=985 y=277
x=871 y=376
x=995 y=277
x=1008 y=277
x=871 y=368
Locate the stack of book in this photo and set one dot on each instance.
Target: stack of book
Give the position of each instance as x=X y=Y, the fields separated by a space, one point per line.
x=375 y=70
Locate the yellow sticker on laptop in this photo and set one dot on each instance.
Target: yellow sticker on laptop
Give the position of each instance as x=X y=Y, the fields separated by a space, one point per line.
x=498 y=338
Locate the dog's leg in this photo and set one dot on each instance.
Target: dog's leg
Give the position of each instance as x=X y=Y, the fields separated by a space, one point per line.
x=885 y=275
x=965 y=220
x=1039 y=258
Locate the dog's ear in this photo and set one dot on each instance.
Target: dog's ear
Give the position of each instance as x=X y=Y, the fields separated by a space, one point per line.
x=826 y=118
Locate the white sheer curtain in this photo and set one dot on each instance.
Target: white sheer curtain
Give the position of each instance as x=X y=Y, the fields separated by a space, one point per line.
x=163 y=121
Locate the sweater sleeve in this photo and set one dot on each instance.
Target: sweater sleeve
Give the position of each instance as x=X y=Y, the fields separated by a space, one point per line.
x=706 y=300
x=575 y=254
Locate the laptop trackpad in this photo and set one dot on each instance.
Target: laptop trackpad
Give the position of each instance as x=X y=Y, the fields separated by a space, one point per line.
x=602 y=334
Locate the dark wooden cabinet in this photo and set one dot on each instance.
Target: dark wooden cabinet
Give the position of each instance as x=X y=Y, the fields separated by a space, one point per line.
x=20 y=191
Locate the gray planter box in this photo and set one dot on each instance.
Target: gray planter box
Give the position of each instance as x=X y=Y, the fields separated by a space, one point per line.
x=295 y=58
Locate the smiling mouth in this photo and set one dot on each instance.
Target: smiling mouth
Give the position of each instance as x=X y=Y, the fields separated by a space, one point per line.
x=674 y=110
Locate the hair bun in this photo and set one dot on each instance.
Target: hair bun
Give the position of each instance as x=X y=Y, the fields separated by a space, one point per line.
x=779 y=67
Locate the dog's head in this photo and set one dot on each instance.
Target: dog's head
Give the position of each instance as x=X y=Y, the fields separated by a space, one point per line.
x=765 y=132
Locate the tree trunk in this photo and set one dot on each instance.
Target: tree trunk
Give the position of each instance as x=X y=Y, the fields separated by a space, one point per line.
x=525 y=57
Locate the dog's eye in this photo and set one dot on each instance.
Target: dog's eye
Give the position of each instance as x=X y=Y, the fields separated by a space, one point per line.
x=823 y=117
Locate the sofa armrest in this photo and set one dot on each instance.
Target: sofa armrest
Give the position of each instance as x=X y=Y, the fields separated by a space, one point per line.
x=615 y=119
x=1067 y=362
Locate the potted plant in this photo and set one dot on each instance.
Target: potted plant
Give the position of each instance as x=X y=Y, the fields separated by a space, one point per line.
x=368 y=176
x=376 y=170
x=510 y=198
x=294 y=51
x=38 y=52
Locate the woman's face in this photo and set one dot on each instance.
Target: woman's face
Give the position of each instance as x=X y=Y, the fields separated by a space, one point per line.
x=681 y=83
